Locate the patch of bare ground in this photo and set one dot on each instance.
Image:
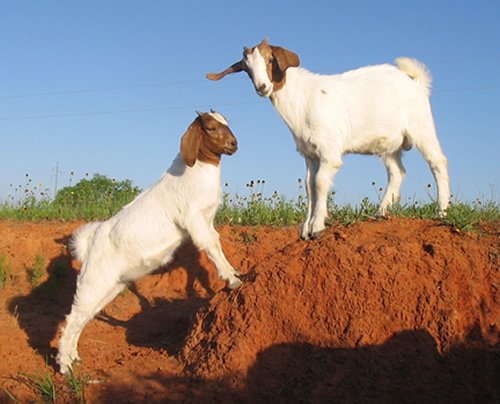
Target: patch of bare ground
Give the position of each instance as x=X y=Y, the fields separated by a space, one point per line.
x=396 y=310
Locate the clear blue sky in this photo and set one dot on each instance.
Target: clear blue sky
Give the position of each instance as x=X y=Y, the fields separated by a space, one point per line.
x=109 y=87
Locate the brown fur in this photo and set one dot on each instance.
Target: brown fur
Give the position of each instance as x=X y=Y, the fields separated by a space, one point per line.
x=206 y=140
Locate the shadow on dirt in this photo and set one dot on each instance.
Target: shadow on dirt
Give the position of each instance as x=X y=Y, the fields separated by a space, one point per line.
x=42 y=312
x=407 y=368
x=165 y=323
x=161 y=324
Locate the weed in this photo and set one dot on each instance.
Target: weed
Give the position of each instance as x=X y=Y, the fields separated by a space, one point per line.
x=37 y=271
x=78 y=384
x=462 y=218
x=43 y=385
x=5 y=271
x=11 y=396
x=249 y=237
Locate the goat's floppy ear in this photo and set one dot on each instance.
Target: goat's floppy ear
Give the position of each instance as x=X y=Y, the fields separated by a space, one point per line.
x=190 y=142
x=285 y=58
x=235 y=68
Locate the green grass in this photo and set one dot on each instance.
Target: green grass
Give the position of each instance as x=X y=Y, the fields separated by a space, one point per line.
x=77 y=384
x=92 y=198
x=100 y=198
x=256 y=209
x=42 y=384
x=45 y=388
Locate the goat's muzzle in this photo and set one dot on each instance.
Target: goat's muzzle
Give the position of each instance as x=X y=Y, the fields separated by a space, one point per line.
x=263 y=90
x=231 y=147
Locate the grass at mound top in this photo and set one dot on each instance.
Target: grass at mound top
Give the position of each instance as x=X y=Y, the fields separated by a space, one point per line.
x=100 y=198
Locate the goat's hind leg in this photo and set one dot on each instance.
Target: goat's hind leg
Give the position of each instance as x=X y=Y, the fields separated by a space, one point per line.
x=439 y=167
x=89 y=300
x=432 y=153
x=395 y=176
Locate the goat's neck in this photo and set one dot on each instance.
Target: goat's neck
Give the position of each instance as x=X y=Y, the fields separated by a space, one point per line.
x=209 y=157
x=290 y=100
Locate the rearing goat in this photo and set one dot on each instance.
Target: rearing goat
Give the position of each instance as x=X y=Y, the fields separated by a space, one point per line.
x=145 y=233
x=379 y=110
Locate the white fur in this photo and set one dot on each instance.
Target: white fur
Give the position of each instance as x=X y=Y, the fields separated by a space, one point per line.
x=379 y=110
x=142 y=237
x=218 y=117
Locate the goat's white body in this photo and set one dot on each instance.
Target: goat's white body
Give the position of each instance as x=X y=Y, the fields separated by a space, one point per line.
x=142 y=237
x=367 y=111
x=373 y=110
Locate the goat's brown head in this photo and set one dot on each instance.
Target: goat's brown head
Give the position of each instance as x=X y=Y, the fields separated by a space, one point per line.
x=266 y=66
x=207 y=138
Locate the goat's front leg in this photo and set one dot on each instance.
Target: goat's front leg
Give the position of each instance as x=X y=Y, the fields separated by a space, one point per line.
x=206 y=238
x=324 y=178
x=321 y=182
x=312 y=166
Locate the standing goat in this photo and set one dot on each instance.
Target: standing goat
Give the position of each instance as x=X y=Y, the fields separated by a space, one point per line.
x=145 y=233
x=379 y=110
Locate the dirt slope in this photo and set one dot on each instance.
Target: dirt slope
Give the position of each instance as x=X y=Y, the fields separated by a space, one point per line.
x=384 y=311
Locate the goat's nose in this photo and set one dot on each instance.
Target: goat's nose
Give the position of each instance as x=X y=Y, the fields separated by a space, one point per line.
x=261 y=88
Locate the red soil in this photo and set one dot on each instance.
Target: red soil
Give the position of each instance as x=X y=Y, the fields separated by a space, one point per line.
x=388 y=311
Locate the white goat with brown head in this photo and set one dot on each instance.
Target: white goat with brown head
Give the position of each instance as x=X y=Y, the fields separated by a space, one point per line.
x=144 y=235
x=379 y=110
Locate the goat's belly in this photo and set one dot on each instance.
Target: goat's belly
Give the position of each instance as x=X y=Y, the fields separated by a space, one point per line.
x=380 y=145
x=150 y=261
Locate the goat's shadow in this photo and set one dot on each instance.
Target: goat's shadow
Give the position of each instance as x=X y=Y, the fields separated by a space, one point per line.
x=41 y=313
x=165 y=323
x=407 y=368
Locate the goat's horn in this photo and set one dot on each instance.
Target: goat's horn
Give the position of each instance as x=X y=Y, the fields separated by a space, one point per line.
x=237 y=67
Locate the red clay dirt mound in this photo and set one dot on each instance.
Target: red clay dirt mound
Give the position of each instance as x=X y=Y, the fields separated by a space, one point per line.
x=389 y=311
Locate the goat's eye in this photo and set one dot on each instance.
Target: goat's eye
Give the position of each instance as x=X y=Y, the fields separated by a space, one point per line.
x=211 y=130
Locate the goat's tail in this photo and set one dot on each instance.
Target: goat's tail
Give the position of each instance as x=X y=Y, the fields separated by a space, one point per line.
x=417 y=71
x=79 y=242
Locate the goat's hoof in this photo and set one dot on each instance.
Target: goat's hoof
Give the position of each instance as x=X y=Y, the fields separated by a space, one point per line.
x=66 y=367
x=441 y=214
x=65 y=370
x=316 y=235
x=313 y=236
x=306 y=236
x=234 y=283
